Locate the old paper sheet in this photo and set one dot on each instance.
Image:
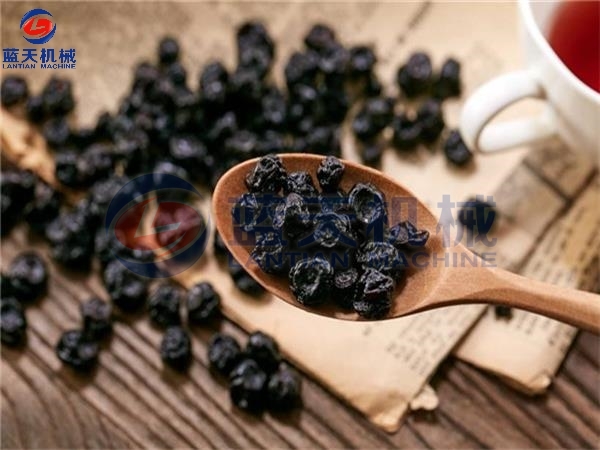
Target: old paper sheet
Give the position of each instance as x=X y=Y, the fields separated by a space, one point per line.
x=390 y=362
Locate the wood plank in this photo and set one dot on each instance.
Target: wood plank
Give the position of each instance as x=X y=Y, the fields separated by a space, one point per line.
x=66 y=418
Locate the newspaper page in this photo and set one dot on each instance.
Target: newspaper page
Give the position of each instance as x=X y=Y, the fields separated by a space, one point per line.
x=340 y=355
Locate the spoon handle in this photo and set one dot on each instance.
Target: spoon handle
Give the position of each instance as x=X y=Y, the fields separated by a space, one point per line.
x=497 y=286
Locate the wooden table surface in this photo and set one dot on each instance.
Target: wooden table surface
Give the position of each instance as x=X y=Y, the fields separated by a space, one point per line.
x=131 y=401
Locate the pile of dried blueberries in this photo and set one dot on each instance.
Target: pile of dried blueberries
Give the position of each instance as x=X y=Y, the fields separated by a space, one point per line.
x=332 y=245
x=258 y=377
x=420 y=119
x=167 y=124
x=195 y=130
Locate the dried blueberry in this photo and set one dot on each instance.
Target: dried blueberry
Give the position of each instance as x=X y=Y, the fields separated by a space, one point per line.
x=242 y=144
x=375 y=115
x=431 y=119
x=97 y=318
x=368 y=203
x=267 y=176
x=58 y=96
x=34 y=109
x=145 y=75
x=283 y=389
x=247 y=386
x=332 y=231
x=246 y=87
x=95 y=163
x=247 y=211
x=56 y=132
x=447 y=83
x=301 y=68
x=274 y=109
x=13 y=322
x=71 y=238
x=330 y=173
x=380 y=110
x=102 y=193
x=224 y=353
x=77 y=351
x=362 y=60
x=477 y=214
x=66 y=168
x=126 y=289
x=371 y=154
x=202 y=303
x=17 y=189
x=407 y=132
x=334 y=62
x=344 y=287
x=263 y=349
x=188 y=152
x=243 y=281
x=163 y=305
x=399 y=234
x=335 y=103
x=254 y=35
x=374 y=292
x=168 y=50
x=107 y=246
x=300 y=183
x=14 y=90
x=503 y=312
x=176 y=348
x=414 y=78
x=456 y=150
x=405 y=236
x=320 y=37
x=131 y=149
x=311 y=280
x=269 y=253
x=29 y=276
x=363 y=127
x=177 y=73
x=381 y=256
x=213 y=84
x=324 y=140
x=292 y=218
x=256 y=59
x=223 y=128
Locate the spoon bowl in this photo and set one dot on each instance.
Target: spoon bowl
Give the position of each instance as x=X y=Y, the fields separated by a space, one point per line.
x=436 y=278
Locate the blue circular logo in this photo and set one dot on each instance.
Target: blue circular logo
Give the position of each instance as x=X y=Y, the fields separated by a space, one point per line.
x=38 y=26
x=157 y=212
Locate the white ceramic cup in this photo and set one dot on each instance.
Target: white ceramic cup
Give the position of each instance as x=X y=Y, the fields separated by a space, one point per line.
x=572 y=109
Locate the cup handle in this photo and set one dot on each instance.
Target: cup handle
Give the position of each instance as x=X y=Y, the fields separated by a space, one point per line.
x=493 y=97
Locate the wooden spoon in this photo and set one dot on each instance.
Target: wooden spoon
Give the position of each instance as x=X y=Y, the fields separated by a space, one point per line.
x=433 y=286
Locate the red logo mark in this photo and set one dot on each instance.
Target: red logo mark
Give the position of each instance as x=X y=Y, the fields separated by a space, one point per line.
x=38 y=27
x=174 y=227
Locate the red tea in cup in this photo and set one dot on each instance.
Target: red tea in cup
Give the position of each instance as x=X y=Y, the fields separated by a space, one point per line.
x=575 y=37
